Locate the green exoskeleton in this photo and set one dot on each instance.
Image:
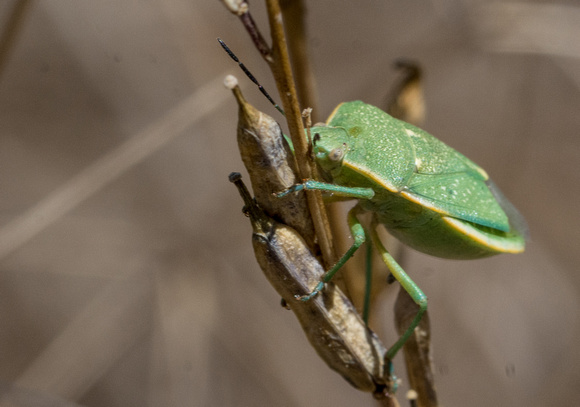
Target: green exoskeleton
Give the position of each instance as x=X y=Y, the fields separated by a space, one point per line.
x=426 y=194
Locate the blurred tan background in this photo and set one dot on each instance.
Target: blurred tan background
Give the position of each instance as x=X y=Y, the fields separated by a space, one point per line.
x=127 y=276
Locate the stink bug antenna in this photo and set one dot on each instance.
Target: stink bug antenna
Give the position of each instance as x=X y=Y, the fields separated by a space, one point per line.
x=249 y=75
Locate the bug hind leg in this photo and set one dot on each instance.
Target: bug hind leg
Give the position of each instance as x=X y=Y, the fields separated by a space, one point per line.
x=408 y=285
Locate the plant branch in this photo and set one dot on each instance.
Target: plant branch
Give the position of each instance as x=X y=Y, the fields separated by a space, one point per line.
x=279 y=63
x=293 y=12
x=417 y=350
x=284 y=80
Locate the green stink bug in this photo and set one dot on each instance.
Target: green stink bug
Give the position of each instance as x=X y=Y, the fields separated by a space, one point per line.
x=426 y=194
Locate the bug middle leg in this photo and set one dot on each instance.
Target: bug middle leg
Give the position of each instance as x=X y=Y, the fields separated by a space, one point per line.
x=358 y=234
x=338 y=190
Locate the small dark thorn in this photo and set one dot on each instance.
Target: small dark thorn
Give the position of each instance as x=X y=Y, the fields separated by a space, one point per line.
x=380 y=392
x=235 y=176
x=284 y=304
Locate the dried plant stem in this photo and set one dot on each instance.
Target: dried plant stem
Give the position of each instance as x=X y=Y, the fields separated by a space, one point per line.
x=417 y=350
x=256 y=36
x=293 y=12
x=279 y=63
x=278 y=60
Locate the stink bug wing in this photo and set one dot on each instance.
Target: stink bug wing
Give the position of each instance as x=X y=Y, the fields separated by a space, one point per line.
x=448 y=182
x=517 y=221
x=407 y=160
x=459 y=195
x=432 y=156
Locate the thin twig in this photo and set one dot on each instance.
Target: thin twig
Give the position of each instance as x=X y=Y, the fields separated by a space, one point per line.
x=279 y=63
x=256 y=36
x=294 y=12
x=417 y=350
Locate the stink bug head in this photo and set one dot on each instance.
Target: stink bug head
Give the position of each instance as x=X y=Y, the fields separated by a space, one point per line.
x=330 y=146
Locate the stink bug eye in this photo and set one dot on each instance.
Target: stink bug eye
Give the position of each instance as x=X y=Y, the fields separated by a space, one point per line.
x=337 y=154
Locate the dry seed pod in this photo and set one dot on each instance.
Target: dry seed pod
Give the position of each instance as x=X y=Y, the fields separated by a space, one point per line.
x=330 y=321
x=270 y=164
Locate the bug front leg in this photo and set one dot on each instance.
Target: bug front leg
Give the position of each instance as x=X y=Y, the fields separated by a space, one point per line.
x=347 y=192
x=409 y=285
x=358 y=234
